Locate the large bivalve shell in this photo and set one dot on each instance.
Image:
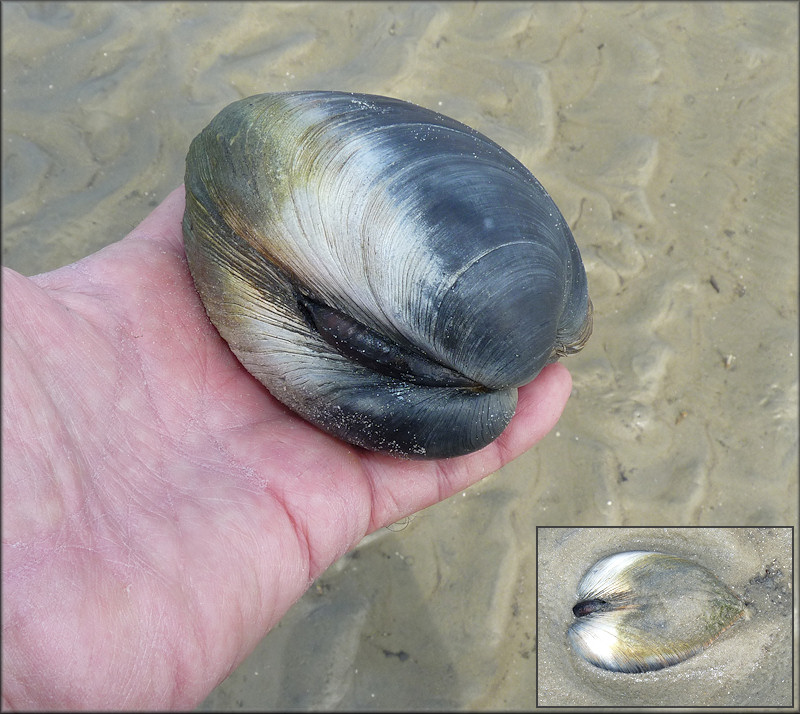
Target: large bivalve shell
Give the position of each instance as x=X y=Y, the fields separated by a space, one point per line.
x=388 y=273
x=640 y=611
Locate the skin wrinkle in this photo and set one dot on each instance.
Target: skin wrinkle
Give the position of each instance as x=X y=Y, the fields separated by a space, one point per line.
x=50 y=505
x=443 y=482
x=300 y=532
x=409 y=489
x=385 y=506
x=297 y=507
x=11 y=345
x=65 y=394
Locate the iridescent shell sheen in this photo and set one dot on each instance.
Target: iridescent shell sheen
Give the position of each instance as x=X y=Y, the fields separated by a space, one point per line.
x=385 y=271
x=640 y=611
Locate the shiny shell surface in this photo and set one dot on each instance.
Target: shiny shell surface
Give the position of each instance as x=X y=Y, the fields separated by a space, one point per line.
x=639 y=611
x=385 y=271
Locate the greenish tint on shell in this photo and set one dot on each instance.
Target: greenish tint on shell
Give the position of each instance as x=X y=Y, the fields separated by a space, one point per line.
x=387 y=272
x=658 y=610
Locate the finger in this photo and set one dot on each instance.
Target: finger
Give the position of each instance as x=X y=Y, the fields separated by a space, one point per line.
x=539 y=408
x=164 y=223
x=401 y=487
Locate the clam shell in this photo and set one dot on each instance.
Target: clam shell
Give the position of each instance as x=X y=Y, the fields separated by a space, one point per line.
x=640 y=611
x=385 y=271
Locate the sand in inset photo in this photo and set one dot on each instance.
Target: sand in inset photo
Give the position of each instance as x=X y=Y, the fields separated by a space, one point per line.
x=664 y=617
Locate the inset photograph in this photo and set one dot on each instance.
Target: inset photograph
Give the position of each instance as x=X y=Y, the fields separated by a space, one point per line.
x=698 y=617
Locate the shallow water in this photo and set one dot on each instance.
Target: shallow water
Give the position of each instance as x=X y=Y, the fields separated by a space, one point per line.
x=667 y=135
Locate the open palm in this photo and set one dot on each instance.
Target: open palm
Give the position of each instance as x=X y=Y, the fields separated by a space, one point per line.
x=161 y=511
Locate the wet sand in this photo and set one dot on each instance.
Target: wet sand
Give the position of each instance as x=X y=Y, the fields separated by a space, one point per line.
x=667 y=135
x=749 y=665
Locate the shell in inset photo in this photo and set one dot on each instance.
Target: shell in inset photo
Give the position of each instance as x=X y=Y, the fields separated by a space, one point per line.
x=640 y=611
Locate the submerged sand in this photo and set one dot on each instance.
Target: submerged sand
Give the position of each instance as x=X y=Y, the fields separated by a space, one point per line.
x=667 y=135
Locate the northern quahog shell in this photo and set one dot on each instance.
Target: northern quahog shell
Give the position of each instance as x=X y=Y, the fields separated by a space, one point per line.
x=387 y=272
x=640 y=611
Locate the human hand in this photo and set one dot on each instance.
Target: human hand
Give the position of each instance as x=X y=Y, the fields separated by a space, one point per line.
x=161 y=511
